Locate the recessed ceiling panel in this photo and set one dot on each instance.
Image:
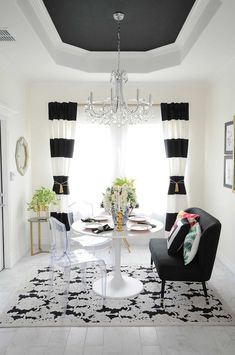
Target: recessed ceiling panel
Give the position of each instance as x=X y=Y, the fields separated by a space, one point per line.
x=89 y=24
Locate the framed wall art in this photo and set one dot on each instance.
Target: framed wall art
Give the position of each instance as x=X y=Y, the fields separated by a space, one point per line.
x=228 y=137
x=228 y=171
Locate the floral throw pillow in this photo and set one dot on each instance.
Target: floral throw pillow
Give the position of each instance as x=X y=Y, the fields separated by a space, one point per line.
x=177 y=234
x=191 y=243
x=192 y=217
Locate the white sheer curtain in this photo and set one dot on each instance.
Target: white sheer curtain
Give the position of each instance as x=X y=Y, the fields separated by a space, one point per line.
x=144 y=160
x=92 y=169
x=103 y=153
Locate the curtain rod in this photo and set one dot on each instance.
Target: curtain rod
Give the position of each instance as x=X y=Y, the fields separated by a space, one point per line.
x=83 y=104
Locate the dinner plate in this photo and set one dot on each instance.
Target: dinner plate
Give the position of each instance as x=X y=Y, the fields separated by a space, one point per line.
x=140 y=227
x=137 y=219
x=100 y=218
x=92 y=225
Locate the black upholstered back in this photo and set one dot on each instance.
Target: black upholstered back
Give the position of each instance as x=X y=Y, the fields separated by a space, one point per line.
x=211 y=228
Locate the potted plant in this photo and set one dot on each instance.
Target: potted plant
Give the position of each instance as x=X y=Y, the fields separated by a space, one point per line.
x=41 y=201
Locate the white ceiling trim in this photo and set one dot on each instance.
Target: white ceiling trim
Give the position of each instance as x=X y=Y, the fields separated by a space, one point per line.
x=103 y=62
x=201 y=14
x=6 y=112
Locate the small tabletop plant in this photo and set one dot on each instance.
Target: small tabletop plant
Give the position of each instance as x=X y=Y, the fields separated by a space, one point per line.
x=41 y=200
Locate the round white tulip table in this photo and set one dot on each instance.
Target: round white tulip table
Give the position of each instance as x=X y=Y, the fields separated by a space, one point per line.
x=118 y=284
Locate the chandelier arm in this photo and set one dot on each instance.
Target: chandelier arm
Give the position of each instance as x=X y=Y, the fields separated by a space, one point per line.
x=137 y=107
x=90 y=108
x=139 y=104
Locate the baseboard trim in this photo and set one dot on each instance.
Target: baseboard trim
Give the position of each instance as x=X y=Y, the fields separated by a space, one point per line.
x=227 y=262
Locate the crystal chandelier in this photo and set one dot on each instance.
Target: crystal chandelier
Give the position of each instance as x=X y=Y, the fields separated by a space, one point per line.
x=115 y=110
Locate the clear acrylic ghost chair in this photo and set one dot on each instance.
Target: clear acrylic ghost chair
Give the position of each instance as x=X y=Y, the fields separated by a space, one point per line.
x=65 y=259
x=84 y=241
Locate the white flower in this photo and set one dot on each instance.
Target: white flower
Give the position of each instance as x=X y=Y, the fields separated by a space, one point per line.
x=120 y=196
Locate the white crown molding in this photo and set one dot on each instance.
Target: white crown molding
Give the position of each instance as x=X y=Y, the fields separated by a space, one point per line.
x=6 y=112
x=199 y=17
x=103 y=62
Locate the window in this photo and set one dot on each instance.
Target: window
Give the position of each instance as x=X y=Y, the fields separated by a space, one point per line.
x=144 y=160
x=93 y=163
x=103 y=153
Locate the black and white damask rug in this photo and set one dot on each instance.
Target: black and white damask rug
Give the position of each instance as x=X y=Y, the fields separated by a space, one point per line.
x=184 y=304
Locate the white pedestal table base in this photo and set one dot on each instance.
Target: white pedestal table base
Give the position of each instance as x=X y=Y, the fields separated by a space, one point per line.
x=118 y=285
x=124 y=287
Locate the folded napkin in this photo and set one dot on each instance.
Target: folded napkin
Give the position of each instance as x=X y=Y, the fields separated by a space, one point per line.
x=103 y=228
x=148 y=223
x=88 y=219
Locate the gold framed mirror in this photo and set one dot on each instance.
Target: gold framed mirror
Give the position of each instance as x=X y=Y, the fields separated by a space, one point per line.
x=21 y=155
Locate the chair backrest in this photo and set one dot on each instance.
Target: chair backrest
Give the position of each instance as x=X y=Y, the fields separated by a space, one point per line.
x=207 y=249
x=73 y=216
x=79 y=210
x=58 y=238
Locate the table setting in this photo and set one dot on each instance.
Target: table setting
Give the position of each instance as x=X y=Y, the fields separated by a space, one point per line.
x=100 y=224
x=97 y=224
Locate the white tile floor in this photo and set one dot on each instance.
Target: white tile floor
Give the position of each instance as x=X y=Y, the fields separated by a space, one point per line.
x=162 y=340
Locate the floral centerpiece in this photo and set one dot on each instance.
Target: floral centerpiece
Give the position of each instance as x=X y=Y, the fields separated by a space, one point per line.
x=120 y=197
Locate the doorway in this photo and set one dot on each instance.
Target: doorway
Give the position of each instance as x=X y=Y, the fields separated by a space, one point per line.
x=2 y=259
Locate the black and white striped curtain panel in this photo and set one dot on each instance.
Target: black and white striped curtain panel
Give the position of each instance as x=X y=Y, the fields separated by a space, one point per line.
x=62 y=120
x=175 y=119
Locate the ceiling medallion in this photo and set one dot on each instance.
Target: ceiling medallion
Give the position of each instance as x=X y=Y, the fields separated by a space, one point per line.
x=115 y=110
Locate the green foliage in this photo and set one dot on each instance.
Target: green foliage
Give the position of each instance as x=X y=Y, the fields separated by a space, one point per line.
x=42 y=199
x=122 y=181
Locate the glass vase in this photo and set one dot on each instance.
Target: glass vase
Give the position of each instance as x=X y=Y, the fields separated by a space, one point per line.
x=43 y=214
x=124 y=217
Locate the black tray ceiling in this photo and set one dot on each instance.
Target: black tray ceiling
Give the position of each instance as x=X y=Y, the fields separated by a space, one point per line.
x=89 y=24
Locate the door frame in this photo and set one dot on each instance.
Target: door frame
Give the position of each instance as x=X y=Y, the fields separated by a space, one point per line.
x=5 y=114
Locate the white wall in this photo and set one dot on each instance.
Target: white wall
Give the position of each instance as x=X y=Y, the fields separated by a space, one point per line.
x=209 y=110
x=12 y=95
x=41 y=94
x=219 y=200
